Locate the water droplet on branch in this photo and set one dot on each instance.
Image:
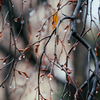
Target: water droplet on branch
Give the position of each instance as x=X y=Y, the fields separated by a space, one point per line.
x=80 y=11
x=50 y=78
x=27 y=78
x=45 y=26
x=74 y=48
x=13 y=6
x=10 y=86
x=68 y=43
x=32 y=12
x=4 y=63
x=51 y=91
x=22 y=22
x=23 y=56
x=20 y=58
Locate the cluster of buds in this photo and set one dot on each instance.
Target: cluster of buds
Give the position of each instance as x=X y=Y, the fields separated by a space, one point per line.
x=20 y=73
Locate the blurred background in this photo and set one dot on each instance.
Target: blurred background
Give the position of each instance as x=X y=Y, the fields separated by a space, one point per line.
x=27 y=17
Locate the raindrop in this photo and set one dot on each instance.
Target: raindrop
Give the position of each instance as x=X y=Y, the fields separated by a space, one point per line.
x=87 y=33
x=68 y=43
x=42 y=81
x=75 y=97
x=27 y=78
x=43 y=66
x=40 y=95
x=51 y=92
x=52 y=63
x=10 y=86
x=19 y=58
x=78 y=20
x=80 y=11
x=60 y=7
x=23 y=56
x=16 y=20
x=37 y=55
x=43 y=33
x=4 y=63
x=74 y=48
x=22 y=1
x=65 y=30
x=45 y=59
x=13 y=6
x=8 y=24
x=96 y=92
x=43 y=20
x=45 y=26
x=22 y=22
x=50 y=78
x=32 y=12
x=98 y=85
